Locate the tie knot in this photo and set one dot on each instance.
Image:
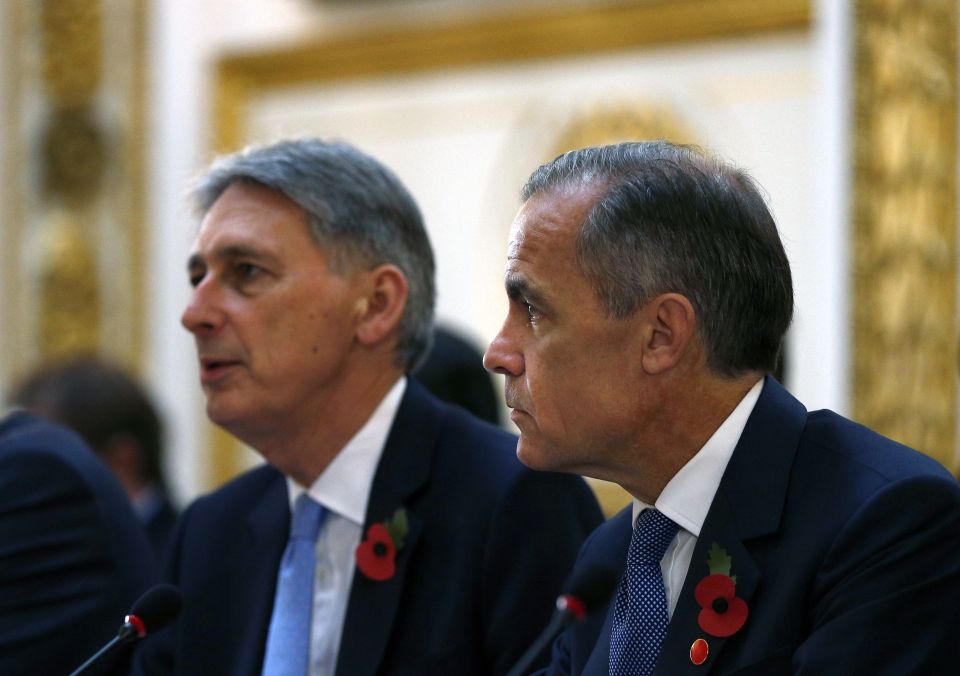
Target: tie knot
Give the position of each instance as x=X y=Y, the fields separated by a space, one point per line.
x=653 y=533
x=307 y=518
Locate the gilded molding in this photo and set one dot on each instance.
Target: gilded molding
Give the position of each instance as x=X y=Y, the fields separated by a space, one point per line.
x=74 y=202
x=605 y=124
x=500 y=39
x=905 y=227
x=70 y=304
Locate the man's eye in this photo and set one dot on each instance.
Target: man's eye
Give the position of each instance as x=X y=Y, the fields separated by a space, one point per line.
x=532 y=313
x=196 y=278
x=247 y=271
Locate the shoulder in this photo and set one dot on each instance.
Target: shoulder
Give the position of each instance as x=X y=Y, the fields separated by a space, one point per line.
x=843 y=467
x=841 y=442
x=607 y=545
x=26 y=436
x=476 y=452
x=236 y=496
x=45 y=461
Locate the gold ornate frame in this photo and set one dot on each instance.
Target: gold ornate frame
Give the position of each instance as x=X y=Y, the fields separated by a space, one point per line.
x=904 y=309
x=501 y=39
x=60 y=55
x=507 y=38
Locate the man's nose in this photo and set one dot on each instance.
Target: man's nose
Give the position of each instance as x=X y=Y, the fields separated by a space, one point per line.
x=503 y=355
x=202 y=313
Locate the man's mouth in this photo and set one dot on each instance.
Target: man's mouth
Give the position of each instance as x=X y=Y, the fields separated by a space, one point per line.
x=213 y=368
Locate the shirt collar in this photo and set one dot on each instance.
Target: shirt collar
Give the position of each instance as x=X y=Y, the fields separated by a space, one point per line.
x=344 y=486
x=687 y=497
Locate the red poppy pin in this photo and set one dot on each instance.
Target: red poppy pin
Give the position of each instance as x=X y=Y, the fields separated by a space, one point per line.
x=377 y=555
x=722 y=612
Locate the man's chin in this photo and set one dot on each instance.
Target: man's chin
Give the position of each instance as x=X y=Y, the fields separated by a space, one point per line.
x=534 y=457
x=225 y=417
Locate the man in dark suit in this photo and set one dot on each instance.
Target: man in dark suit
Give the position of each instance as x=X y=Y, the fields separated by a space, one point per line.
x=649 y=295
x=73 y=557
x=418 y=543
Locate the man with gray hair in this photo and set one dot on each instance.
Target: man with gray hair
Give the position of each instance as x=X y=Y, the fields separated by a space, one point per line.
x=388 y=533
x=649 y=296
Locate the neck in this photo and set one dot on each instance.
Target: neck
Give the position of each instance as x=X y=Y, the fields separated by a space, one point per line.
x=684 y=422
x=304 y=451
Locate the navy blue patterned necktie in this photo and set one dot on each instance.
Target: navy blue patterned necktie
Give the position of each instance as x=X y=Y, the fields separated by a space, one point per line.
x=640 y=610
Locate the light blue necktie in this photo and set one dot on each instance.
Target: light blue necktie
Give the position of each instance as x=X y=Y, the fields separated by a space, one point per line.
x=288 y=641
x=640 y=610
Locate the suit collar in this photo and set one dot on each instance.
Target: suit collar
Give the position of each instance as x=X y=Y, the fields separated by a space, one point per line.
x=749 y=504
x=403 y=472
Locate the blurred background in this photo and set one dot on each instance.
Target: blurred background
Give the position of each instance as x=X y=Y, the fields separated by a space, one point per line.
x=844 y=111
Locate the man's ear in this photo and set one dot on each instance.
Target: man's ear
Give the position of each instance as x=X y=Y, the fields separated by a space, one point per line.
x=670 y=325
x=379 y=312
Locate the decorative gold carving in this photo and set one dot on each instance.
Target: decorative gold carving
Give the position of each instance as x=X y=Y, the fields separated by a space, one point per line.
x=76 y=67
x=72 y=160
x=72 y=46
x=905 y=227
x=622 y=122
x=73 y=156
x=510 y=38
x=500 y=39
x=70 y=303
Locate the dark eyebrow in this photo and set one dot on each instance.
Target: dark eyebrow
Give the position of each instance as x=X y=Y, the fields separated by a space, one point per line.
x=518 y=286
x=230 y=252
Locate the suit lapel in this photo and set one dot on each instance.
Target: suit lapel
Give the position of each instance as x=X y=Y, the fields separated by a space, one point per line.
x=257 y=566
x=403 y=470
x=684 y=627
x=599 y=662
x=748 y=504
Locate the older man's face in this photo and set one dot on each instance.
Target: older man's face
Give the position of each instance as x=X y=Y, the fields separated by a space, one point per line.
x=571 y=371
x=274 y=327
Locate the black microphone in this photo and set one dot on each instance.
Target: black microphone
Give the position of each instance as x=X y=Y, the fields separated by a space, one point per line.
x=154 y=610
x=587 y=592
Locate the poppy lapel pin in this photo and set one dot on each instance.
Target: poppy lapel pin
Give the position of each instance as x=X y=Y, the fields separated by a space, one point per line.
x=722 y=612
x=376 y=556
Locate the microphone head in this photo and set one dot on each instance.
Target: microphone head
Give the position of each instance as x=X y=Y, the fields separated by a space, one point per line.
x=588 y=590
x=157 y=607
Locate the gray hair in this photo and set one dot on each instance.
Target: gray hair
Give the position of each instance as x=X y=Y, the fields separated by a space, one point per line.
x=673 y=219
x=358 y=211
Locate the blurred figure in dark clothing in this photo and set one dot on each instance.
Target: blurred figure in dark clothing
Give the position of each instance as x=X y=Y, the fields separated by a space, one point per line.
x=115 y=416
x=73 y=557
x=453 y=372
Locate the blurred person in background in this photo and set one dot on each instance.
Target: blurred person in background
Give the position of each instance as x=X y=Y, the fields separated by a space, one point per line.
x=115 y=416
x=73 y=556
x=453 y=372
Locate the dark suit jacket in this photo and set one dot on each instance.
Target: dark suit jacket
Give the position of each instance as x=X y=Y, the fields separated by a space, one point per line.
x=73 y=556
x=159 y=524
x=844 y=544
x=488 y=547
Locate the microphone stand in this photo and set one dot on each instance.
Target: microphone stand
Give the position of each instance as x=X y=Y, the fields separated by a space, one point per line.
x=569 y=608
x=131 y=629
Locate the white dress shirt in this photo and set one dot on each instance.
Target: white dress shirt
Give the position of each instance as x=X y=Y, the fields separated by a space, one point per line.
x=343 y=489
x=687 y=496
